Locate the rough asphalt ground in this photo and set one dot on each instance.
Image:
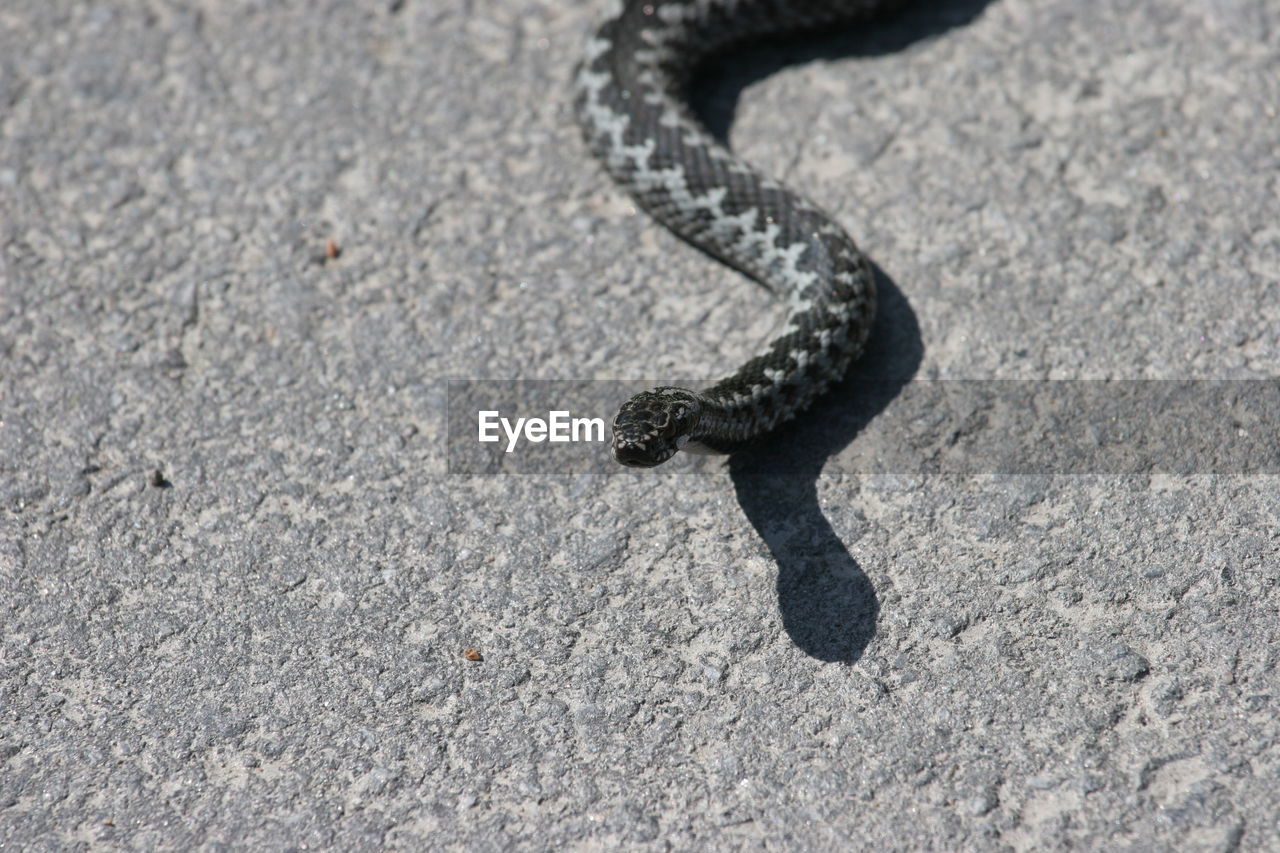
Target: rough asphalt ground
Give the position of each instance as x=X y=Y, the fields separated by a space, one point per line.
x=236 y=579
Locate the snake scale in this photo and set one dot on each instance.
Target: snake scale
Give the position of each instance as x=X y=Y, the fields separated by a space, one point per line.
x=631 y=100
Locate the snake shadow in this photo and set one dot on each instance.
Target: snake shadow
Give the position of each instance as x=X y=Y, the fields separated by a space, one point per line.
x=718 y=83
x=828 y=604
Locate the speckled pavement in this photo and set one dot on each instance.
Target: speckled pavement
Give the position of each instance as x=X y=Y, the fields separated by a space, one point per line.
x=243 y=245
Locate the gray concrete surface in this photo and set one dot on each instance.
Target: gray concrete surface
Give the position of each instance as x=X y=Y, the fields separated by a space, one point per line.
x=236 y=580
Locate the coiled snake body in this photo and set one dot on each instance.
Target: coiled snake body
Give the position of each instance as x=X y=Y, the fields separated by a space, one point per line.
x=631 y=103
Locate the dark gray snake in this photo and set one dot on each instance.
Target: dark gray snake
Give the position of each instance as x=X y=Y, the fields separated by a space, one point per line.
x=631 y=100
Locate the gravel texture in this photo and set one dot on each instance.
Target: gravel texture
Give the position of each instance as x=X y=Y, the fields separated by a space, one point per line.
x=243 y=245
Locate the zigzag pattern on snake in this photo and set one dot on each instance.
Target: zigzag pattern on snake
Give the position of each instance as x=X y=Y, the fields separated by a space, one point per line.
x=631 y=100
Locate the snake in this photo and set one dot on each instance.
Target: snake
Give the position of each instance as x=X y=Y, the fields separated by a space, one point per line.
x=631 y=99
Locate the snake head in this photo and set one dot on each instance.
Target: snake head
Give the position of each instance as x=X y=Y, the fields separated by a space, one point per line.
x=653 y=425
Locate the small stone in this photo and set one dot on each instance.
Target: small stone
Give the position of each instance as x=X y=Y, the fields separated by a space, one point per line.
x=1121 y=663
x=980 y=805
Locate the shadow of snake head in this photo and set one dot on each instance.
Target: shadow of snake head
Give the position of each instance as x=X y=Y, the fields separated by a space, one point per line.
x=653 y=425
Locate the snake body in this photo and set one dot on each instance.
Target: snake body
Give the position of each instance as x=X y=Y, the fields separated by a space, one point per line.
x=631 y=100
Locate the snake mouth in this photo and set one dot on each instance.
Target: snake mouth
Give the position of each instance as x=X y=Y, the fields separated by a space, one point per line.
x=635 y=455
